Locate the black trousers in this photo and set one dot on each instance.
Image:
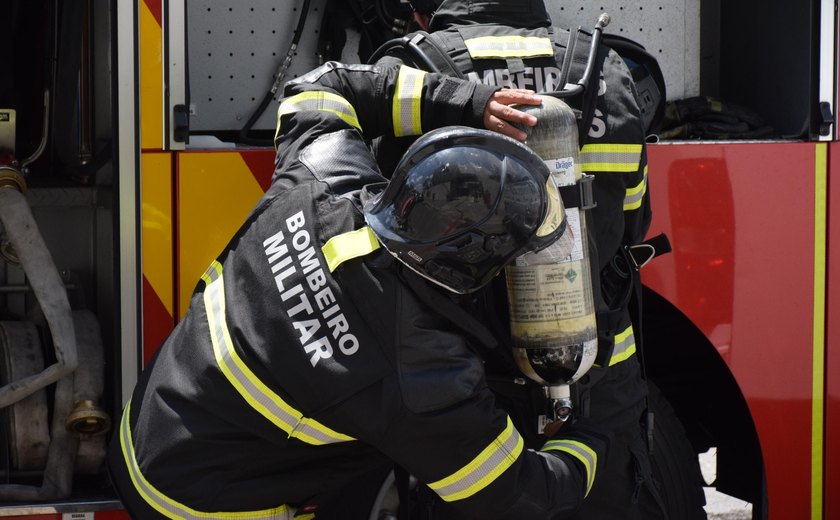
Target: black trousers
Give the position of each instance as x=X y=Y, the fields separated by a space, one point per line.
x=625 y=489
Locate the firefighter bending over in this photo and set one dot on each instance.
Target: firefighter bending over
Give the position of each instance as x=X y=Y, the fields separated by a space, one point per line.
x=313 y=359
x=513 y=43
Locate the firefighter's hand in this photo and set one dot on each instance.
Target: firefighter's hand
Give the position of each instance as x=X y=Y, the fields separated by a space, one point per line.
x=551 y=429
x=500 y=117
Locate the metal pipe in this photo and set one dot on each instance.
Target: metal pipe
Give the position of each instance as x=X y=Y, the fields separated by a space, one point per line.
x=36 y=261
x=85 y=90
x=11 y=289
x=45 y=130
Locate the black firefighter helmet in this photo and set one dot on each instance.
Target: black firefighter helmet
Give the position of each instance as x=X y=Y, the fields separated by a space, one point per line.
x=462 y=203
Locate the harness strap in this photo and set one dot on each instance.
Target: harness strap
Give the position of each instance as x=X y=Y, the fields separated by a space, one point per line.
x=453 y=312
x=638 y=256
x=579 y=194
x=441 y=58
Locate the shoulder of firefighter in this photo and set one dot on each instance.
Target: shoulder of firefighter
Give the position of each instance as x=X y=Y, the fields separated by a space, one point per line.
x=303 y=346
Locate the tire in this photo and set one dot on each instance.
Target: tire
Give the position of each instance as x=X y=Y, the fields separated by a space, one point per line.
x=675 y=466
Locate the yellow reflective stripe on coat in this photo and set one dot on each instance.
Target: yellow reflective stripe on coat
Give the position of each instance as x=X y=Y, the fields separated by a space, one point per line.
x=169 y=507
x=484 y=468
x=405 y=111
x=624 y=346
x=633 y=196
x=581 y=452
x=255 y=392
x=347 y=246
x=509 y=47
x=620 y=158
x=322 y=101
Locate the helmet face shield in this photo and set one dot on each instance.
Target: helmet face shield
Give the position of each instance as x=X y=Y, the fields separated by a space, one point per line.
x=462 y=203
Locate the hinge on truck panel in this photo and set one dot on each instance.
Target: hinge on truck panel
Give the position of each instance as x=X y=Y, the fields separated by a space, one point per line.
x=826 y=118
x=181 y=124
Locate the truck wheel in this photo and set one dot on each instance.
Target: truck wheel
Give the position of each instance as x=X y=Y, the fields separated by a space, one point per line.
x=675 y=465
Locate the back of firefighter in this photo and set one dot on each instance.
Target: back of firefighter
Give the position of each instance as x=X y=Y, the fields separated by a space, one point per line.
x=307 y=366
x=511 y=43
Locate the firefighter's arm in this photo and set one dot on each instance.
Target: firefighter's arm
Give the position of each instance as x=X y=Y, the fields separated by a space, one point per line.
x=397 y=100
x=637 y=211
x=438 y=419
x=474 y=459
x=614 y=151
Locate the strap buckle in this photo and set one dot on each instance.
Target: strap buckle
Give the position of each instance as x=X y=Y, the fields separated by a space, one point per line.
x=640 y=254
x=579 y=194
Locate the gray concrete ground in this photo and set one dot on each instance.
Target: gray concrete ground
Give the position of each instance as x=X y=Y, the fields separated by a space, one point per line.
x=718 y=505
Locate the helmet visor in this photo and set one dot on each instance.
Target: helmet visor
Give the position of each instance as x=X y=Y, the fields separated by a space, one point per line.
x=462 y=189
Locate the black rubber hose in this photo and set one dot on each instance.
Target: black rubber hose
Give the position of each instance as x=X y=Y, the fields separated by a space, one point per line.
x=243 y=133
x=411 y=50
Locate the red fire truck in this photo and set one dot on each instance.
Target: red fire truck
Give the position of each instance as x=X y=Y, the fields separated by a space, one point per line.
x=133 y=143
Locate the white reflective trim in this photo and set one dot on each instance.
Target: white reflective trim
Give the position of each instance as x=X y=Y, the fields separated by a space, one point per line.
x=171 y=508
x=481 y=471
x=406 y=109
x=504 y=47
x=624 y=346
x=633 y=196
x=257 y=394
x=619 y=158
x=581 y=452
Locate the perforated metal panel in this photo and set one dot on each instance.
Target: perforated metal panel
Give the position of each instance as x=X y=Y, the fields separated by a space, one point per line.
x=668 y=29
x=235 y=49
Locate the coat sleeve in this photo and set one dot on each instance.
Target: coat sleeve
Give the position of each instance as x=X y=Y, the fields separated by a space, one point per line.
x=375 y=100
x=614 y=150
x=436 y=417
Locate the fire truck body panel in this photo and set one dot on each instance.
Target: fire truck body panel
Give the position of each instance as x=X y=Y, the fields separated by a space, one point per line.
x=736 y=239
x=743 y=332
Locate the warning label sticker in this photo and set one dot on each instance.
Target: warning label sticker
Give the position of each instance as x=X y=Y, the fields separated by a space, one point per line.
x=548 y=293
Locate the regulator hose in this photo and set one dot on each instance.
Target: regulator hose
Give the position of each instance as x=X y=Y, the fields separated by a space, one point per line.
x=278 y=81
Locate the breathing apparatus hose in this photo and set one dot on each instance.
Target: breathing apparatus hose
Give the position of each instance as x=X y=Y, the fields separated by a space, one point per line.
x=583 y=82
x=278 y=82
x=410 y=48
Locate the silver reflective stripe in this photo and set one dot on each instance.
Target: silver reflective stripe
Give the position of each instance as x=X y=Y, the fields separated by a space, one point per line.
x=625 y=346
x=633 y=196
x=620 y=158
x=407 y=102
x=321 y=101
x=169 y=507
x=255 y=392
x=480 y=472
x=581 y=452
x=509 y=47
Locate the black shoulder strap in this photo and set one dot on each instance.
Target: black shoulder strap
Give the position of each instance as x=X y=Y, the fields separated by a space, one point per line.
x=432 y=47
x=456 y=315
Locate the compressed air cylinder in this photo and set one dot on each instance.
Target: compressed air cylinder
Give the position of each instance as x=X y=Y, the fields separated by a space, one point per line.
x=552 y=313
